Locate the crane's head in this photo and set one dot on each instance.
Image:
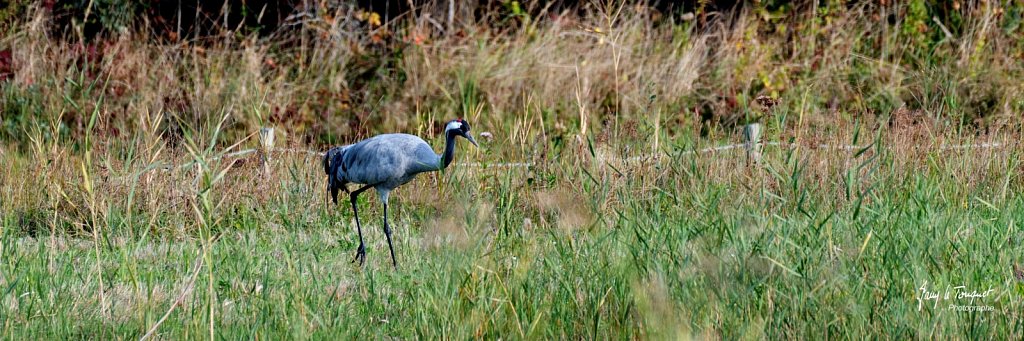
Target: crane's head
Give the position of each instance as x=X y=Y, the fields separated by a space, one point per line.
x=461 y=128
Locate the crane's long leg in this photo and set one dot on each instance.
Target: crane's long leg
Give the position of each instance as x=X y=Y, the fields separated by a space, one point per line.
x=361 y=251
x=387 y=232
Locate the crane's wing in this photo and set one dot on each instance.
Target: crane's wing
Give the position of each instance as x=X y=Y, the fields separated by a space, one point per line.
x=387 y=159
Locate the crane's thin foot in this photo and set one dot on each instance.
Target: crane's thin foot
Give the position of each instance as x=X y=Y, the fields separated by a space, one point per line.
x=360 y=254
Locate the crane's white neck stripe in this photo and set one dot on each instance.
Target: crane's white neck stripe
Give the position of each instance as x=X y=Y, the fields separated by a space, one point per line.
x=453 y=125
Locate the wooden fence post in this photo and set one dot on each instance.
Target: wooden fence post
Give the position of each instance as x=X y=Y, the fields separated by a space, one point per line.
x=752 y=142
x=266 y=145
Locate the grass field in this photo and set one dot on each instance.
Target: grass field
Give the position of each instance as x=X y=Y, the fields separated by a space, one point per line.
x=816 y=243
x=595 y=211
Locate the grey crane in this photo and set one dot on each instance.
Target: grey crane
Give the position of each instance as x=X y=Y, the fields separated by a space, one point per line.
x=385 y=162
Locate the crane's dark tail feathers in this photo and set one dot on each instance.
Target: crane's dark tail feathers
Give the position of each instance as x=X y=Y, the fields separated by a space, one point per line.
x=332 y=159
x=327 y=161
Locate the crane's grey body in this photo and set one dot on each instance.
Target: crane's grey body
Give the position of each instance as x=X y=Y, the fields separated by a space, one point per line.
x=385 y=162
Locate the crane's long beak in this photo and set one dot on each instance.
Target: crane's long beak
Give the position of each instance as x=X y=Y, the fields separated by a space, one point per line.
x=470 y=138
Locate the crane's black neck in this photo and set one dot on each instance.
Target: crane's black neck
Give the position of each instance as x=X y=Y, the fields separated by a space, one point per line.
x=449 y=148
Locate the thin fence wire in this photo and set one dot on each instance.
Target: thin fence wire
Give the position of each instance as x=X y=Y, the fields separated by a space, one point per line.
x=728 y=147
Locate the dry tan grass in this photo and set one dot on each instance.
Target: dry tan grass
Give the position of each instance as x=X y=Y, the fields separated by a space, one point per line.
x=610 y=76
x=60 y=184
